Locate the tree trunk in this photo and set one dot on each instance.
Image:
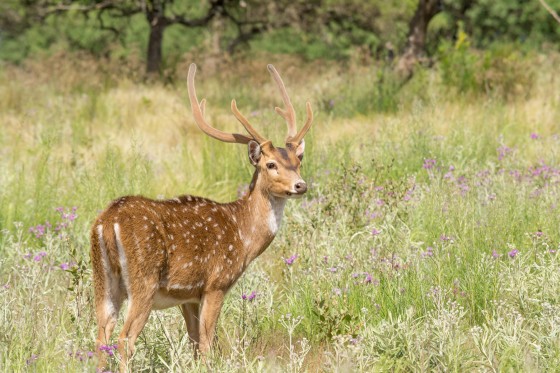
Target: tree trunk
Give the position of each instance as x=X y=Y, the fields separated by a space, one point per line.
x=416 y=41
x=154 y=57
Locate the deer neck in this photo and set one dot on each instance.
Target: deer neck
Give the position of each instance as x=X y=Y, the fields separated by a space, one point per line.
x=259 y=217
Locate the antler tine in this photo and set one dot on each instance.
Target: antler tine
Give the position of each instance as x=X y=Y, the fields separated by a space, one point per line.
x=245 y=122
x=198 y=113
x=297 y=138
x=289 y=114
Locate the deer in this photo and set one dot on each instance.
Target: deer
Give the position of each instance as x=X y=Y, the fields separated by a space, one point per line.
x=189 y=251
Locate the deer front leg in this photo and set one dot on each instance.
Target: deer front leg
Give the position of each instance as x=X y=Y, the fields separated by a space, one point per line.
x=211 y=307
x=190 y=313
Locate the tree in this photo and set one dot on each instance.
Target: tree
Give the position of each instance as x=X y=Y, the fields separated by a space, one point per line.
x=416 y=39
x=159 y=14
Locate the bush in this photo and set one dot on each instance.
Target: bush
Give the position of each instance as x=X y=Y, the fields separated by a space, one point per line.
x=500 y=71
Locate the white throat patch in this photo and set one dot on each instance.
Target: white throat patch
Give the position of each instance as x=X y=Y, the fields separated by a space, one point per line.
x=276 y=213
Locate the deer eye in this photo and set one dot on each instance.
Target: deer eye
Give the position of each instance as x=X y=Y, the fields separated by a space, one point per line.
x=271 y=166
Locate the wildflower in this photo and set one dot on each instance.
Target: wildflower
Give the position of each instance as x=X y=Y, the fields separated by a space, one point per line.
x=503 y=151
x=109 y=349
x=445 y=238
x=31 y=359
x=39 y=256
x=429 y=164
x=429 y=252
x=249 y=297
x=375 y=231
x=534 y=136
x=495 y=254
x=39 y=230
x=337 y=291
x=333 y=269
x=513 y=253
x=368 y=279
x=289 y=261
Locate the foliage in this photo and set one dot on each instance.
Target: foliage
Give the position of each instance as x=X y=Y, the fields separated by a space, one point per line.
x=428 y=239
x=502 y=70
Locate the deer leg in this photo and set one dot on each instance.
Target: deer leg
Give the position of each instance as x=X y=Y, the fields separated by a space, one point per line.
x=191 y=315
x=107 y=311
x=108 y=296
x=139 y=308
x=211 y=307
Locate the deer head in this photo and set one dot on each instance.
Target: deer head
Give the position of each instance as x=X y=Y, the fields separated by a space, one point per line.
x=277 y=169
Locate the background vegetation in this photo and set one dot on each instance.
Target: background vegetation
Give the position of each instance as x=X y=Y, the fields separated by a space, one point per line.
x=427 y=242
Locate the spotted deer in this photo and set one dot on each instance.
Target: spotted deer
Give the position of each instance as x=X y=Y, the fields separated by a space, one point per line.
x=189 y=251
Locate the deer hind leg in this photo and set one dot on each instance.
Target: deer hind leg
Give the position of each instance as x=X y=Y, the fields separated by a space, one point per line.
x=140 y=300
x=108 y=294
x=211 y=306
x=191 y=314
x=139 y=308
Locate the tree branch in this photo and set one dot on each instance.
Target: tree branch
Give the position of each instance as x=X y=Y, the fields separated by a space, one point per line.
x=550 y=10
x=216 y=7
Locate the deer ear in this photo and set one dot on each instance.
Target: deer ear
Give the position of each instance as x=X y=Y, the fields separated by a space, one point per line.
x=300 y=149
x=254 y=152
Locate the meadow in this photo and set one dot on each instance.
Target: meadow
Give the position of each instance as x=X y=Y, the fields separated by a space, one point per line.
x=428 y=240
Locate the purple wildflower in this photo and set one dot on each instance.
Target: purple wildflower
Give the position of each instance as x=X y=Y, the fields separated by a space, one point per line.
x=39 y=256
x=429 y=252
x=249 y=297
x=375 y=231
x=31 y=359
x=445 y=238
x=534 y=136
x=39 y=230
x=429 y=164
x=289 y=261
x=513 y=253
x=109 y=349
x=495 y=254
x=503 y=151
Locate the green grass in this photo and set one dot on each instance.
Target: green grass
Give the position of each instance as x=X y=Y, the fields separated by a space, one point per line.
x=405 y=241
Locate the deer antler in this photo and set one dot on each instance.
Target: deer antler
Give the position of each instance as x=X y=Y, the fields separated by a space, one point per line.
x=198 y=113
x=289 y=114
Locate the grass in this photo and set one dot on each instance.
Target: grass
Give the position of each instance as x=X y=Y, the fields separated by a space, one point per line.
x=428 y=240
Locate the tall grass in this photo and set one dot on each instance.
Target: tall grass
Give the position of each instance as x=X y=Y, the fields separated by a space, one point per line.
x=428 y=240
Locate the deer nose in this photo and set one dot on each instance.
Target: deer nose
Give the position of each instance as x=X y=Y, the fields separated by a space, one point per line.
x=301 y=187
